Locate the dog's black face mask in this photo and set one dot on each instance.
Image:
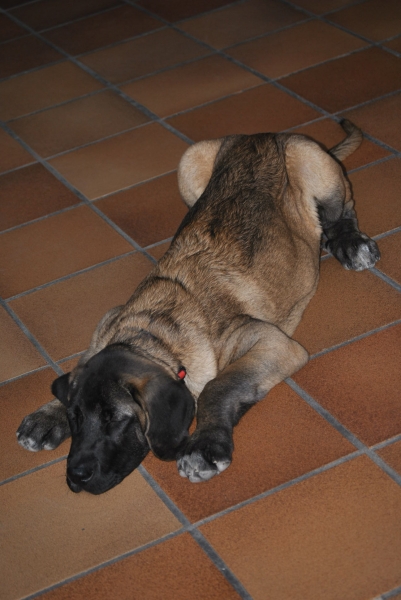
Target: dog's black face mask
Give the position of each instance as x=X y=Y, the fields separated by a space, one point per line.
x=119 y=407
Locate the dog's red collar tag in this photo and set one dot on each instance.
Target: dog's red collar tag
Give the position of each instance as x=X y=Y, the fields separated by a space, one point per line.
x=181 y=372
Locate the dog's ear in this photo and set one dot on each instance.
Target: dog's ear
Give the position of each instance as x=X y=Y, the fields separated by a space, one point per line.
x=195 y=169
x=60 y=388
x=169 y=408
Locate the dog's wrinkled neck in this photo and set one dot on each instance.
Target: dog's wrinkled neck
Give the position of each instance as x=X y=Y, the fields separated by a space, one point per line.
x=143 y=344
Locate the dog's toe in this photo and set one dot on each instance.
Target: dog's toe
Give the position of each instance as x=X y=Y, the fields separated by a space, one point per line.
x=43 y=430
x=204 y=458
x=196 y=468
x=356 y=252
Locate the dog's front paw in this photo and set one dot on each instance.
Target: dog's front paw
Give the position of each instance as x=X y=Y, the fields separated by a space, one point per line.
x=205 y=455
x=355 y=251
x=45 y=428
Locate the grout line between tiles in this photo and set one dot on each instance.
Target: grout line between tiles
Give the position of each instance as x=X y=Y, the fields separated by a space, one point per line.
x=385 y=234
x=355 y=339
x=202 y=14
x=279 y=488
x=79 y=194
x=371 y=164
x=43 y=286
x=396 y=477
x=220 y=564
x=33 y=470
x=107 y=563
x=134 y=185
x=31 y=372
x=29 y=71
x=70 y=357
x=196 y=535
x=14 y=39
x=158 y=243
x=42 y=218
x=29 y=164
x=391 y=594
x=31 y=337
x=105 y=82
x=213 y=50
x=386 y=278
x=46 y=108
x=78 y=19
x=389 y=442
x=94 y=142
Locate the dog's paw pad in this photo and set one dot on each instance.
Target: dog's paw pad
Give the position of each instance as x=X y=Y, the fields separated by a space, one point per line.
x=356 y=252
x=201 y=461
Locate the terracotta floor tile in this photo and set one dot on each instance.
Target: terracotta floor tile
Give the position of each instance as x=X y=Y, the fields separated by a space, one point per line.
x=395 y=44
x=76 y=123
x=17 y=355
x=241 y=21
x=180 y=9
x=40 y=89
x=264 y=108
x=12 y=154
x=70 y=533
x=174 y=570
x=101 y=30
x=279 y=439
x=48 y=13
x=373 y=19
x=390 y=264
x=25 y=54
x=322 y=6
x=359 y=384
x=381 y=119
x=158 y=251
x=345 y=305
x=143 y=55
x=54 y=247
x=150 y=212
x=330 y=133
x=274 y=54
x=121 y=161
x=376 y=193
x=30 y=193
x=320 y=85
x=392 y=455
x=9 y=30
x=18 y=399
x=190 y=85
x=64 y=315
x=334 y=536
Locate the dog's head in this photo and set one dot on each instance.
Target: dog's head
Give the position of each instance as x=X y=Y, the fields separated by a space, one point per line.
x=120 y=406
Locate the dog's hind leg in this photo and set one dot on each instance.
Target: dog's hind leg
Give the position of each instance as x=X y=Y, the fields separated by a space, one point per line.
x=354 y=250
x=256 y=357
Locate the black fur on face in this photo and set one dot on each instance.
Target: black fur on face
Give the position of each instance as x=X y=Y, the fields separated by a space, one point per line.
x=120 y=406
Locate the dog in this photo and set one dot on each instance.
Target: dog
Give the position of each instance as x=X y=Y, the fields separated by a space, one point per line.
x=208 y=332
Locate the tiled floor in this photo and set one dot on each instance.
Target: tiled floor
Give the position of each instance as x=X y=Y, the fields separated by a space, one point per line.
x=98 y=101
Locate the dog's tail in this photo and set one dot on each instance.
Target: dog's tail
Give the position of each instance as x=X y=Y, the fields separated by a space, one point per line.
x=351 y=142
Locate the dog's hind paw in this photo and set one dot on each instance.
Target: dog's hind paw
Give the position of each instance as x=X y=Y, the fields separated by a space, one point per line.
x=204 y=457
x=44 y=429
x=356 y=251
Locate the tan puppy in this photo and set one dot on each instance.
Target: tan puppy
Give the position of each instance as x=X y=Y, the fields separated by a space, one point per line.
x=211 y=325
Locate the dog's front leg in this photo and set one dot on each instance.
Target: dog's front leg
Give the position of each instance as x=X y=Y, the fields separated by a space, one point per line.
x=258 y=356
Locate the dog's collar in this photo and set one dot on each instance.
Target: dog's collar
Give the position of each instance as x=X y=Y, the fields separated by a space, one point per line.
x=181 y=372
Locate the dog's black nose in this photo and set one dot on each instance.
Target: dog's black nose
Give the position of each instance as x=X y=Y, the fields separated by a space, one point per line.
x=80 y=474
